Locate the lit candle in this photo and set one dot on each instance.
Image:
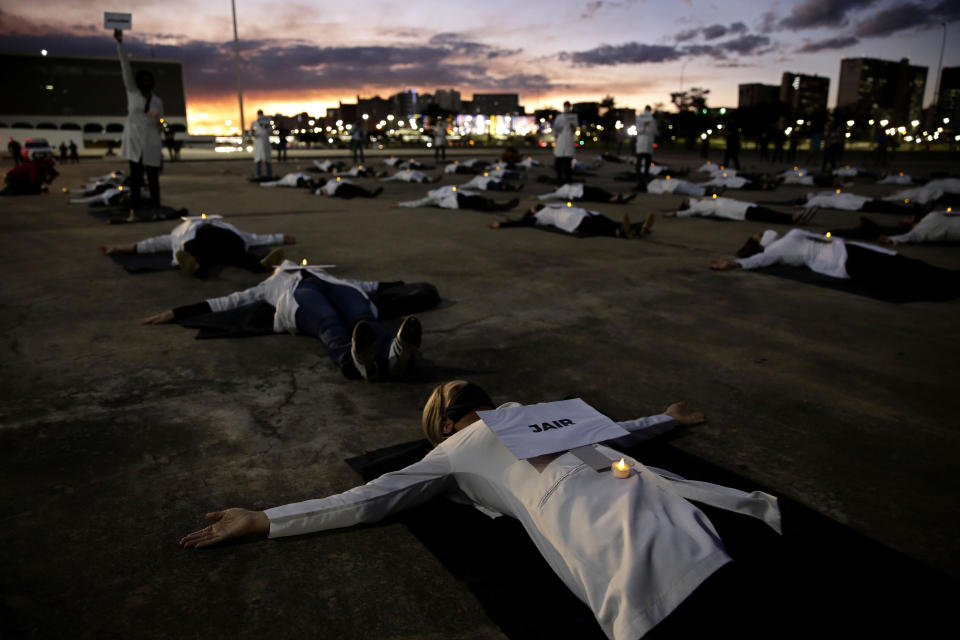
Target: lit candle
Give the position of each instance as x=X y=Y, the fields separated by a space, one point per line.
x=454 y=188
x=64 y=189
x=485 y=174
x=338 y=178
x=949 y=209
x=668 y=177
x=303 y=262
x=828 y=234
x=620 y=469
x=838 y=190
x=203 y=216
x=714 y=196
x=569 y=204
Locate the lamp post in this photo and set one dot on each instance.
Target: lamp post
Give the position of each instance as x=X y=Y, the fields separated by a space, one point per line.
x=936 y=91
x=236 y=53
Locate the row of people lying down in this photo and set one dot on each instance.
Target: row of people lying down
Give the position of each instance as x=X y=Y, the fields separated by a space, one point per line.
x=631 y=549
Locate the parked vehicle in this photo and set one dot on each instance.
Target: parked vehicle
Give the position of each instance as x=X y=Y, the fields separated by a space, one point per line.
x=36 y=148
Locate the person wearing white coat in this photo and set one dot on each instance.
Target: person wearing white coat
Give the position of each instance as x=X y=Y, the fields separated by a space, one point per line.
x=646 y=132
x=142 y=145
x=564 y=146
x=631 y=549
x=261 y=129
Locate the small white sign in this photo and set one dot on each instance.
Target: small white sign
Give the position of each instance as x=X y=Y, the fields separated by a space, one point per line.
x=112 y=20
x=539 y=429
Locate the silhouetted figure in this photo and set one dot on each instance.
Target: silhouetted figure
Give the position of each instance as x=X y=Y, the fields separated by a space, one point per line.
x=564 y=146
x=282 y=145
x=15 y=150
x=778 y=139
x=358 y=137
x=731 y=154
x=261 y=129
x=440 y=141
x=63 y=153
x=170 y=142
x=646 y=132
x=74 y=154
x=763 y=144
x=792 y=149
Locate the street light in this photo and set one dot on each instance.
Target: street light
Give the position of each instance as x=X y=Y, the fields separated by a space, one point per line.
x=43 y=52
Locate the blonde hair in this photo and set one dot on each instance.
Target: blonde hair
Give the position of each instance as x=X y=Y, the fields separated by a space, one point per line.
x=433 y=417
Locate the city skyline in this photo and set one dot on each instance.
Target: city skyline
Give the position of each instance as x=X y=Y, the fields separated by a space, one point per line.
x=306 y=57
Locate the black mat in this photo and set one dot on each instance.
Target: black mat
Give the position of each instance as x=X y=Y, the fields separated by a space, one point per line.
x=818 y=579
x=144 y=262
x=256 y=319
x=119 y=215
x=897 y=295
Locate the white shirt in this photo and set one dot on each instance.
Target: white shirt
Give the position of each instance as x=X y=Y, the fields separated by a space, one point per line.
x=103 y=197
x=936 y=226
x=716 y=208
x=929 y=192
x=847 y=172
x=673 y=185
x=481 y=182
x=896 y=178
x=528 y=163
x=793 y=172
x=452 y=167
x=564 y=127
x=833 y=200
x=631 y=549
x=261 y=139
x=646 y=132
x=727 y=179
x=187 y=231
x=799 y=248
x=331 y=186
x=324 y=166
x=141 y=135
x=289 y=180
x=708 y=167
x=278 y=290
x=443 y=197
x=562 y=217
x=407 y=175
x=571 y=191
x=392 y=161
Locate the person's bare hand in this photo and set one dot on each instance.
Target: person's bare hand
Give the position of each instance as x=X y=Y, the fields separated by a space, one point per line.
x=495 y=224
x=160 y=318
x=884 y=240
x=722 y=264
x=669 y=214
x=118 y=35
x=679 y=412
x=107 y=249
x=227 y=525
x=289 y=239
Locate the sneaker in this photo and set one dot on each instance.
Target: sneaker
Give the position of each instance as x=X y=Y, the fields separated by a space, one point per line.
x=648 y=224
x=626 y=228
x=362 y=350
x=273 y=258
x=404 y=345
x=187 y=263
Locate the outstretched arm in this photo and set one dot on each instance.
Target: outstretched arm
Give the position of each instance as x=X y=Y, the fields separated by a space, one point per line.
x=125 y=69
x=226 y=525
x=110 y=249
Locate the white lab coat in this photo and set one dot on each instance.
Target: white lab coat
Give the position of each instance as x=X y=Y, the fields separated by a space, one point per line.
x=832 y=200
x=562 y=217
x=929 y=192
x=646 y=132
x=187 y=231
x=673 y=185
x=571 y=191
x=278 y=291
x=936 y=226
x=727 y=179
x=407 y=175
x=440 y=135
x=443 y=197
x=261 y=130
x=331 y=186
x=799 y=248
x=141 y=140
x=631 y=549
x=481 y=182
x=564 y=127
x=727 y=208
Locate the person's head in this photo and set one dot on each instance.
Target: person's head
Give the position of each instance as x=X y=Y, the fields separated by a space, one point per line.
x=757 y=243
x=646 y=109
x=259 y=113
x=451 y=407
x=144 y=81
x=566 y=106
x=685 y=204
x=535 y=208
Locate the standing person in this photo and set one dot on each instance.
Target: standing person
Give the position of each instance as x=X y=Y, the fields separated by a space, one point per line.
x=778 y=139
x=15 y=150
x=282 y=145
x=358 y=137
x=141 y=145
x=261 y=129
x=792 y=147
x=63 y=153
x=833 y=145
x=564 y=132
x=646 y=132
x=440 y=141
x=731 y=153
x=74 y=156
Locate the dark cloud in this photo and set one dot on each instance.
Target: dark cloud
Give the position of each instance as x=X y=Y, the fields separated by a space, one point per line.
x=898 y=18
x=689 y=34
x=630 y=53
x=948 y=10
x=711 y=33
x=821 y=13
x=841 y=42
x=456 y=43
x=590 y=9
x=738 y=27
x=746 y=45
x=714 y=31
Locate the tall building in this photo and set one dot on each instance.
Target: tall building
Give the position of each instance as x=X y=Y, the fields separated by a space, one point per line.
x=405 y=103
x=756 y=94
x=375 y=108
x=804 y=95
x=948 y=99
x=882 y=88
x=81 y=93
x=448 y=99
x=497 y=104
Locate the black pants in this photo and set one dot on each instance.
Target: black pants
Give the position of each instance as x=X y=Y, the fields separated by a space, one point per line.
x=643 y=165
x=884 y=206
x=731 y=156
x=439 y=153
x=348 y=191
x=764 y=214
x=590 y=226
x=477 y=203
x=136 y=183
x=357 y=148
x=564 y=169
x=898 y=273
x=215 y=246
x=596 y=194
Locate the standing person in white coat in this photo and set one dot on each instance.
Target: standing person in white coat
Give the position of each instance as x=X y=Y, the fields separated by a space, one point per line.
x=142 y=144
x=632 y=549
x=440 y=141
x=261 y=143
x=646 y=132
x=564 y=133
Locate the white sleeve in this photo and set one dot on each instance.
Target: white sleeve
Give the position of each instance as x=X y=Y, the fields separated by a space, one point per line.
x=763 y=259
x=239 y=298
x=909 y=236
x=390 y=493
x=257 y=239
x=649 y=427
x=422 y=202
x=156 y=244
x=125 y=70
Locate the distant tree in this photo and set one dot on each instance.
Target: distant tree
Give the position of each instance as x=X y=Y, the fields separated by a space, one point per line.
x=607 y=103
x=693 y=100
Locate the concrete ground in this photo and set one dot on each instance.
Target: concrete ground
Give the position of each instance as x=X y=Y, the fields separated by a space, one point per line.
x=115 y=438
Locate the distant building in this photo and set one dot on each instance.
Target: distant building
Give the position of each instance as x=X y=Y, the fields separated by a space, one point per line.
x=405 y=103
x=375 y=108
x=756 y=95
x=804 y=95
x=81 y=93
x=882 y=88
x=497 y=104
x=948 y=99
x=448 y=99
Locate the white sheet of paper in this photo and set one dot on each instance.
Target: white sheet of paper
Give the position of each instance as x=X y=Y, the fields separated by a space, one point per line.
x=113 y=20
x=549 y=427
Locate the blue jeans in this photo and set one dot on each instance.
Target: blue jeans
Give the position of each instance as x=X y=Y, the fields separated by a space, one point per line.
x=329 y=312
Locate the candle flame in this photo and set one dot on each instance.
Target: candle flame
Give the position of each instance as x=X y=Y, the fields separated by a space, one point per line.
x=724 y=175
x=901 y=173
x=338 y=178
x=668 y=177
x=838 y=190
x=485 y=174
x=949 y=209
x=800 y=174
x=64 y=189
x=906 y=200
x=303 y=262
x=203 y=216
x=621 y=465
x=120 y=187
x=454 y=188
x=795 y=168
x=828 y=234
x=569 y=204
x=714 y=196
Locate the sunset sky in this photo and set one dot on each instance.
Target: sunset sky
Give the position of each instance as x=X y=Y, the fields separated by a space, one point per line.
x=305 y=56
